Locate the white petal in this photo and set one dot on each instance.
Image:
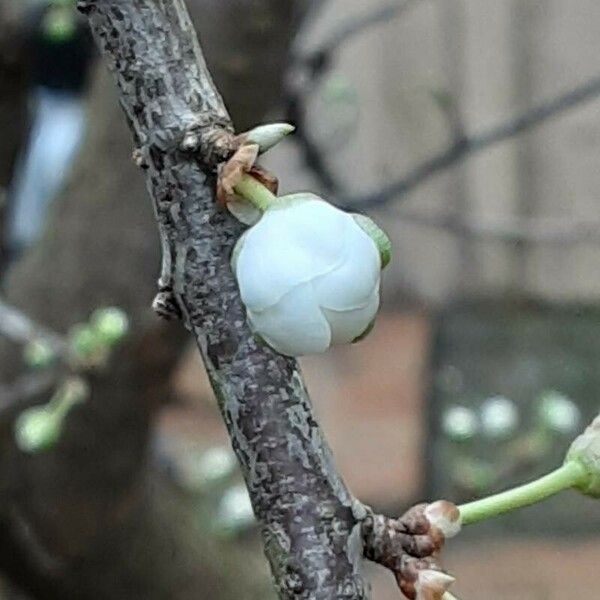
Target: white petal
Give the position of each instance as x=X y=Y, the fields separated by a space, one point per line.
x=289 y=246
x=351 y=284
x=346 y=326
x=244 y=212
x=295 y=325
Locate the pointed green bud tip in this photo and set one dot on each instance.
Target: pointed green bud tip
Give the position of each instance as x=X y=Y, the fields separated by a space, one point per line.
x=267 y=136
x=585 y=451
x=38 y=354
x=382 y=241
x=110 y=325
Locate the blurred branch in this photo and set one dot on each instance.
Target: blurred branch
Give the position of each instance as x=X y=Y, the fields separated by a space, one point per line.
x=19 y=328
x=26 y=390
x=470 y=145
x=305 y=74
x=538 y=230
x=311 y=68
x=353 y=26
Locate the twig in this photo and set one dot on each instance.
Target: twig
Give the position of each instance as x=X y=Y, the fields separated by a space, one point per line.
x=354 y=26
x=21 y=329
x=303 y=78
x=534 y=229
x=26 y=390
x=470 y=145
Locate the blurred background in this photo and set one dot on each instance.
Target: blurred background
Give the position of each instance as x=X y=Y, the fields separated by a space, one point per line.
x=469 y=129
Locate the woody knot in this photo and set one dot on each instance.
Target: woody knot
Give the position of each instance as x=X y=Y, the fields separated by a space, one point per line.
x=408 y=546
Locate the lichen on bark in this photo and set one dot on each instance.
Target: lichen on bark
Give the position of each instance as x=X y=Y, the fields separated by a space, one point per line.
x=307 y=515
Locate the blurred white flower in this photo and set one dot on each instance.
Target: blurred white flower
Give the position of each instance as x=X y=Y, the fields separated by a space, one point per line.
x=235 y=509
x=499 y=417
x=459 y=423
x=559 y=413
x=309 y=275
x=216 y=463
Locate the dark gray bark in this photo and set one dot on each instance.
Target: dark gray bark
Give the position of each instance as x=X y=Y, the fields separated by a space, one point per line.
x=311 y=524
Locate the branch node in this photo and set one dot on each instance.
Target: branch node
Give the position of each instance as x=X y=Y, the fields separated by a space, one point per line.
x=85 y=7
x=212 y=144
x=408 y=547
x=165 y=305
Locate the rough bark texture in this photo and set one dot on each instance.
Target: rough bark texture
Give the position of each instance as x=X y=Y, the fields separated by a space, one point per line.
x=311 y=524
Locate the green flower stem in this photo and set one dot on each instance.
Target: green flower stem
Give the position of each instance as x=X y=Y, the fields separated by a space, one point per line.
x=571 y=474
x=255 y=192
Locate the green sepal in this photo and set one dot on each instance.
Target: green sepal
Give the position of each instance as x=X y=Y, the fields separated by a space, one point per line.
x=365 y=333
x=380 y=237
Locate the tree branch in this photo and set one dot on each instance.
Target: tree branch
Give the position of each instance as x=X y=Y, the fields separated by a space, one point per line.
x=19 y=328
x=354 y=26
x=305 y=74
x=311 y=67
x=26 y=391
x=533 y=229
x=311 y=524
x=461 y=148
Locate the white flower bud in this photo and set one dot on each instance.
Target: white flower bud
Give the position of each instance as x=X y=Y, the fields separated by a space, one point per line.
x=309 y=276
x=459 y=423
x=559 y=413
x=499 y=417
x=235 y=509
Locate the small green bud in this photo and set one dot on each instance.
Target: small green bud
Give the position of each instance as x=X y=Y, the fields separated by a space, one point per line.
x=38 y=429
x=84 y=341
x=110 y=325
x=382 y=241
x=39 y=354
x=585 y=451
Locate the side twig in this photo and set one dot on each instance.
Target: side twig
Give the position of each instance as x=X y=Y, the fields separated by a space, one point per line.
x=19 y=328
x=468 y=145
x=535 y=229
x=310 y=522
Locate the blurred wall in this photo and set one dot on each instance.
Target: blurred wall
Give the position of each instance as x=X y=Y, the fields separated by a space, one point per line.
x=493 y=59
